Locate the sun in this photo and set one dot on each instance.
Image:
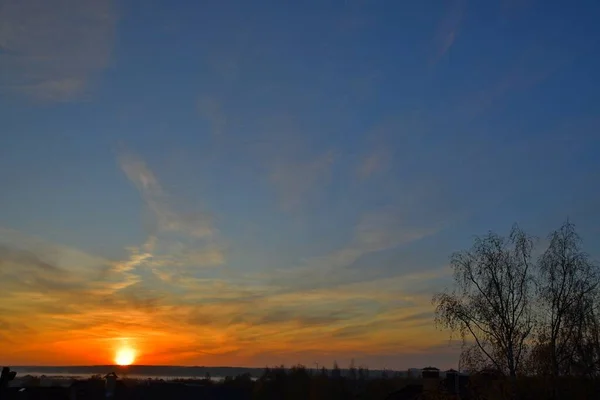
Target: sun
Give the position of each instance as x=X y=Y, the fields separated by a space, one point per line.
x=125 y=356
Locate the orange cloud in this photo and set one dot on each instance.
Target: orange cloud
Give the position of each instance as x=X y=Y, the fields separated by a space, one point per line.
x=58 y=315
x=63 y=306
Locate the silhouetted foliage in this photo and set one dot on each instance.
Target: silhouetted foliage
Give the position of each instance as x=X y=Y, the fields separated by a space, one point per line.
x=297 y=383
x=5 y=377
x=522 y=318
x=335 y=370
x=352 y=373
x=567 y=288
x=491 y=302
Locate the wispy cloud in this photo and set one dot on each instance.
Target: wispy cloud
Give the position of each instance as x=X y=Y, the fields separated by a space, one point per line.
x=374 y=232
x=297 y=182
x=448 y=29
x=211 y=109
x=56 y=278
x=50 y=50
x=168 y=219
x=535 y=64
x=372 y=163
x=176 y=238
x=155 y=300
x=78 y=306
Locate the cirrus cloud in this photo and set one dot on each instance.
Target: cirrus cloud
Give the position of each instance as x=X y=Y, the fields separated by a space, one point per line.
x=49 y=50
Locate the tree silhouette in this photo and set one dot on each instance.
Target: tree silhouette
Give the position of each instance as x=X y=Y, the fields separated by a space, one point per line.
x=567 y=286
x=491 y=301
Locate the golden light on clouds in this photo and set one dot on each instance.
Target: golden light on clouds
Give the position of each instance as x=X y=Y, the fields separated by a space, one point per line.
x=175 y=310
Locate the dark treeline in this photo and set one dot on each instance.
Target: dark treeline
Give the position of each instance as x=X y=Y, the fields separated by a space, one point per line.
x=171 y=371
x=147 y=370
x=302 y=383
x=526 y=310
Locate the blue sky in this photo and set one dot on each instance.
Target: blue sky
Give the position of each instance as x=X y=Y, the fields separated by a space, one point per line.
x=308 y=163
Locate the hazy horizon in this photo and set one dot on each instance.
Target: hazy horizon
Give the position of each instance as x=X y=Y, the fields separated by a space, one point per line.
x=42 y=367
x=134 y=366
x=264 y=183
x=178 y=372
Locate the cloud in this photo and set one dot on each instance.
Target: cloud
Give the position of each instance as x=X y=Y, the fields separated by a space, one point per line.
x=226 y=63
x=296 y=182
x=297 y=167
x=24 y=247
x=61 y=301
x=298 y=315
x=426 y=316
x=211 y=109
x=535 y=64
x=447 y=30
x=140 y=175
x=58 y=278
x=176 y=238
x=375 y=231
x=167 y=219
x=373 y=163
x=50 y=50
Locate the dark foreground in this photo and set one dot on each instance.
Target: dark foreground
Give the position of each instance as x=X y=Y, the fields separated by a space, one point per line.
x=299 y=384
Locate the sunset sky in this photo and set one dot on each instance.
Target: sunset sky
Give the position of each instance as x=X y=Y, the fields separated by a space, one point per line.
x=261 y=182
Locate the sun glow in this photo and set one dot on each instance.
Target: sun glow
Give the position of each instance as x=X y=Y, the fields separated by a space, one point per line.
x=125 y=356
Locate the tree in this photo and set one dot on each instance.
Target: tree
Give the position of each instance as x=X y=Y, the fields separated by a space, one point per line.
x=567 y=285
x=352 y=372
x=472 y=359
x=587 y=353
x=491 y=301
x=363 y=372
x=335 y=370
x=5 y=377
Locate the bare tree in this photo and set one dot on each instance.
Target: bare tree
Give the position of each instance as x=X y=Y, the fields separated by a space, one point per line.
x=472 y=359
x=587 y=350
x=567 y=284
x=490 y=303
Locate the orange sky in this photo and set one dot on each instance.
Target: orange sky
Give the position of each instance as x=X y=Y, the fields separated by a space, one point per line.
x=176 y=300
x=64 y=307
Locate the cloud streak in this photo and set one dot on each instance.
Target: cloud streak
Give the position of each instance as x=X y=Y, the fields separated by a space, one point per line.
x=49 y=51
x=297 y=182
x=211 y=109
x=162 y=300
x=178 y=242
x=166 y=218
x=373 y=163
x=447 y=30
x=199 y=320
x=380 y=230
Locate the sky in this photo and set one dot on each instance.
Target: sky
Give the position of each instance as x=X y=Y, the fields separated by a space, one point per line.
x=256 y=183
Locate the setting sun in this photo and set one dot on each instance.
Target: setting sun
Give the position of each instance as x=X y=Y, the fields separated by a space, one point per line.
x=125 y=356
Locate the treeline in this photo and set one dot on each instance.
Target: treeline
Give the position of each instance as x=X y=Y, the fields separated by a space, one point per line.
x=141 y=370
x=524 y=309
x=301 y=383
